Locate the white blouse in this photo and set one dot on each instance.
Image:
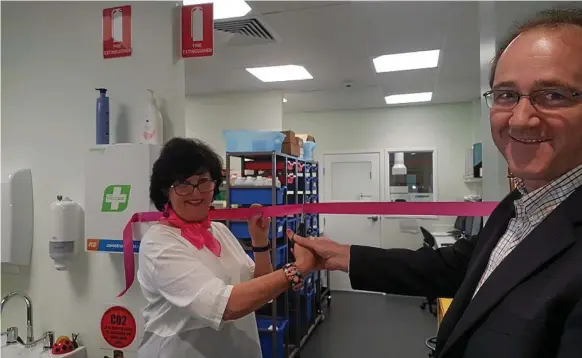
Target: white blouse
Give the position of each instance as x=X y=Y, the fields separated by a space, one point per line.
x=187 y=291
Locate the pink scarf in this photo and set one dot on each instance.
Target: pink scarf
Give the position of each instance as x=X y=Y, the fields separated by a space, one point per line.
x=196 y=233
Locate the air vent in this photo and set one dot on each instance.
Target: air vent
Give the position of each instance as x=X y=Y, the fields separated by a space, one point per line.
x=252 y=28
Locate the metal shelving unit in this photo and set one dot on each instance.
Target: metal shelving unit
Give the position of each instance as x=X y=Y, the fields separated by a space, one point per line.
x=294 y=175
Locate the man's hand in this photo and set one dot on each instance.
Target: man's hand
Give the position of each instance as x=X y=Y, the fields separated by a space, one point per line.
x=259 y=229
x=329 y=254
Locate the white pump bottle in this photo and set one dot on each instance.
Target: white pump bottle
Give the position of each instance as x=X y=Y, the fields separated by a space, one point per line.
x=153 y=123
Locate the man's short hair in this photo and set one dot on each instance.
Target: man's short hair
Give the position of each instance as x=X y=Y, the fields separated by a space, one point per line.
x=548 y=19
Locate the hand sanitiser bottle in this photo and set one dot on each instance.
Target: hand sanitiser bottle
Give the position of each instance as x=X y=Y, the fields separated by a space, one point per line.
x=153 y=123
x=102 y=122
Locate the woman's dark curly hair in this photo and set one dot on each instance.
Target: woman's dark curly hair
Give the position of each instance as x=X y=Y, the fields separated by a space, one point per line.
x=180 y=159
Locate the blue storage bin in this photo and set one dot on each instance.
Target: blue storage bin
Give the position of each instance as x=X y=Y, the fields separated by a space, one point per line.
x=315 y=224
x=281 y=255
x=313 y=184
x=240 y=229
x=308 y=284
x=266 y=336
x=310 y=304
x=305 y=183
x=308 y=148
x=258 y=195
x=253 y=141
x=292 y=224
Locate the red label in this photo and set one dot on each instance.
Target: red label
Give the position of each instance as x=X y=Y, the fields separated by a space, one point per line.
x=117 y=32
x=197 y=30
x=118 y=327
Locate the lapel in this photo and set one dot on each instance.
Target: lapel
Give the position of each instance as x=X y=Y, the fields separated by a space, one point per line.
x=492 y=231
x=550 y=238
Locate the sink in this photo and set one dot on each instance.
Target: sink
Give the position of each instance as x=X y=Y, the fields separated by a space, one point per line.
x=19 y=351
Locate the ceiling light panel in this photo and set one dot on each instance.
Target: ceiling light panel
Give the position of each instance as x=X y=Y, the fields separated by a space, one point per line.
x=225 y=9
x=408 y=98
x=407 y=61
x=280 y=73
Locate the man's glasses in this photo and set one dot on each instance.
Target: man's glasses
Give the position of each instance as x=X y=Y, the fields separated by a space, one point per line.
x=186 y=188
x=545 y=99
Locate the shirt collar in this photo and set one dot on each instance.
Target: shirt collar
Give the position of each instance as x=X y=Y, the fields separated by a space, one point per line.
x=540 y=202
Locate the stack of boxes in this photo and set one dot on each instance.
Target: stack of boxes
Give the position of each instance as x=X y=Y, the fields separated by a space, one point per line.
x=293 y=143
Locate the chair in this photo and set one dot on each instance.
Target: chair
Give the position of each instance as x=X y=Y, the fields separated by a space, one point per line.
x=430 y=243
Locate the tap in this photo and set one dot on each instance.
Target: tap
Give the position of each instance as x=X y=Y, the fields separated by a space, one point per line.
x=48 y=340
x=29 y=334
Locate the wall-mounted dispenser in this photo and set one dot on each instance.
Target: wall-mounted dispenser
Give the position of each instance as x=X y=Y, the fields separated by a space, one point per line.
x=17 y=218
x=67 y=231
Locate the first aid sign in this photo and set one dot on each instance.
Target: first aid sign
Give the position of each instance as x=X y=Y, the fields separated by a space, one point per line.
x=117 y=32
x=197 y=30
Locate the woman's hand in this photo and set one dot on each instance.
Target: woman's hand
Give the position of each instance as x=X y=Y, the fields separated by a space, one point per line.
x=259 y=229
x=305 y=259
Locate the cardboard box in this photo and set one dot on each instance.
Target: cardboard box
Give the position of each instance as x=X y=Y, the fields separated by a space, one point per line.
x=291 y=148
x=306 y=137
x=289 y=136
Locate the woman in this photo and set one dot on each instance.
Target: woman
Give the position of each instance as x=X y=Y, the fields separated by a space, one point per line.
x=201 y=287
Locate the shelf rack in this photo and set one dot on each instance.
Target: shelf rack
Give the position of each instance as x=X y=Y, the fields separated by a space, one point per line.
x=299 y=183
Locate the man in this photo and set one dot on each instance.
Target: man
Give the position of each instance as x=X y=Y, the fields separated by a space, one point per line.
x=518 y=287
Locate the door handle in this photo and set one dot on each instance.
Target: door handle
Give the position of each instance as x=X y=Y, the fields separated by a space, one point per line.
x=373 y=218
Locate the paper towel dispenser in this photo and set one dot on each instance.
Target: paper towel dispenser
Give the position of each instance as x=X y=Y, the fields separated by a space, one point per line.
x=17 y=218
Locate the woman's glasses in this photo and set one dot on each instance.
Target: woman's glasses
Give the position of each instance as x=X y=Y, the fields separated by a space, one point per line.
x=186 y=188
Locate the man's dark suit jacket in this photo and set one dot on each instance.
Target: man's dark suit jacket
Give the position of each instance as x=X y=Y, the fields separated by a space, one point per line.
x=529 y=307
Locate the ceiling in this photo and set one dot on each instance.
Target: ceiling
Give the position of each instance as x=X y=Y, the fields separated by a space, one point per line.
x=336 y=42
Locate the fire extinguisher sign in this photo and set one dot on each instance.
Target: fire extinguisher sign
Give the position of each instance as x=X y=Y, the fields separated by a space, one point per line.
x=197 y=30
x=117 y=32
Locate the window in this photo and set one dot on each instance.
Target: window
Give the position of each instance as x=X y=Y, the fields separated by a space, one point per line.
x=411 y=175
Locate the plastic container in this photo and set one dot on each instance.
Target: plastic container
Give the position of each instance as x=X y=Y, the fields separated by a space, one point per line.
x=240 y=229
x=308 y=148
x=292 y=224
x=255 y=195
x=266 y=336
x=102 y=117
x=253 y=141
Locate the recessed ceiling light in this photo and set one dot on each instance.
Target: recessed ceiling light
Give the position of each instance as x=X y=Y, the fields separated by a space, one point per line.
x=408 y=98
x=224 y=9
x=407 y=61
x=284 y=100
x=280 y=73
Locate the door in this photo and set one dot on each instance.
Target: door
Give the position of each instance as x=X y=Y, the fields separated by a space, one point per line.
x=351 y=177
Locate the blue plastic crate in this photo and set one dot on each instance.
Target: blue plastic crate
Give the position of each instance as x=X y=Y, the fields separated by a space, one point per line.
x=308 y=284
x=308 y=221
x=266 y=336
x=310 y=304
x=240 y=229
x=308 y=148
x=305 y=183
x=258 y=195
x=292 y=224
x=313 y=184
x=253 y=141
x=281 y=255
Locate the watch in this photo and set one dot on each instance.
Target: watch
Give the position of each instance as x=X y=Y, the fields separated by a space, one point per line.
x=294 y=276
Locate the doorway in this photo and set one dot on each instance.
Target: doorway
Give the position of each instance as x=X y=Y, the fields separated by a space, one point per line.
x=351 y=177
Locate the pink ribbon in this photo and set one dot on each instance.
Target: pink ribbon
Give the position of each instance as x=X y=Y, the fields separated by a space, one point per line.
x=348 y=208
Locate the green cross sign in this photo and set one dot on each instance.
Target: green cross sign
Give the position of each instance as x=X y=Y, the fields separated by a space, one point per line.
x=115 y=198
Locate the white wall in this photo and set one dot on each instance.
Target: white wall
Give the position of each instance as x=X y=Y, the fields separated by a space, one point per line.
x=451 y=129
x=51 y=65
x=208 y=116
